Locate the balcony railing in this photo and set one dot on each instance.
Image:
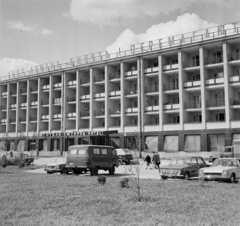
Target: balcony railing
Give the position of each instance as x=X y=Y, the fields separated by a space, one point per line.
x=3 y=107
x=99 y=112
x=214 y=81
x=131 y=91
x=13 y=92
x=170 y=67
x=22 y=119
x=23 y=90
x=152 y=108
x=131 y=73
x=170 y=107
x=213 y=60
x=233 y=56
x=151 y=70
x=192 y=84
x=235 y=101
x=4 y=94
x=33 y=118
x=170 y=86
x=45 y=87
x=34 y=89
x=71 y=99
x=23 y=105
x=71 y=115
x=13 y=106
x=57 y=100
x=235 y=78
x=85 y=97
x=114 y=93
x=115 y=111
x=84 y=81
x=45 y=117
x=99 y=78
x=99 y=95
x=12 y=119
x=84 y=113
x=72 y=83
x=192 y=104
x=45 y=102
x=131 y=110
x=114 y=76
x=57 y=85
x=34 y=103
x=151 y=89
x=191 y=63
x=57 y=116
x=215 y=103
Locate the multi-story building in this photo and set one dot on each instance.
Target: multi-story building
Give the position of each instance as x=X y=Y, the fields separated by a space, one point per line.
x=177 y=94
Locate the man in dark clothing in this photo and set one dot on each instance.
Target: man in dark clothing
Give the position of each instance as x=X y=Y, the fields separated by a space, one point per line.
x=156 y=160
x=148 y=161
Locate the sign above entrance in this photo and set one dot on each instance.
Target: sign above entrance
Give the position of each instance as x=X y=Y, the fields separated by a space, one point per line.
x=74 y=133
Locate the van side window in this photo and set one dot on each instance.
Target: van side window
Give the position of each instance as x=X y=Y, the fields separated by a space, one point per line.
x=96 y=151
x=72 y=151
x=104 y=151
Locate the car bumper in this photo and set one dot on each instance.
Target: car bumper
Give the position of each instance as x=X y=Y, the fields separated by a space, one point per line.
x=214 y=177
x=53 y=170
x=171 y=175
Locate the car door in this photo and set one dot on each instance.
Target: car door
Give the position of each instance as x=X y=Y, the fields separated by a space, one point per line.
x=194 y=167
x=106 y=158
x=201 y=163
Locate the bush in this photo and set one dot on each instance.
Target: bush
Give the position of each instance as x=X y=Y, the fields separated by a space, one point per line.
x=101 y=180
x=20 y=164
x=124 y=182
x=3 y=161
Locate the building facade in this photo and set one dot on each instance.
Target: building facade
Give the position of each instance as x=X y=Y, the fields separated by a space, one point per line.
x=179 y=95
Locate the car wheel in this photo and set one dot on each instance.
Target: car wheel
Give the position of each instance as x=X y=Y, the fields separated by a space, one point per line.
x=186 y=175
x=232 y=178
x=95 y=170
x=76 y=171
x=64 y=171
x=91 y=172
x=49 y=172
x=112 y=170
x=85 y=171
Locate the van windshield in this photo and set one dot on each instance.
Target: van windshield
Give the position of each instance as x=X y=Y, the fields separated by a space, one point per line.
x=77 y=151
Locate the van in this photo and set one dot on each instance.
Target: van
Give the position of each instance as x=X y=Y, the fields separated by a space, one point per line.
x=82 y=158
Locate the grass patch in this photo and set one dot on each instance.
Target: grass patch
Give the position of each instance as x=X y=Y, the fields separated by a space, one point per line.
x=39 y=199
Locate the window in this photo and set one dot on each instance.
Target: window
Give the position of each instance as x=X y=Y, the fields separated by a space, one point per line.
x=200 y=161
x=236 y=136
x=55 y=144
x=155 y=64
x=192 y=143
x=43 y=145
x=83 y=140
x=104 y=151
x=115 y=142
x=194 y=161
x=176 y=119
x=216 y=142
x=170 y=143
x=96 y=151
x=220 y=117
x=157 y=120
x=151 y=143
x=72 y=151
x=196 y=77
x=131 y=142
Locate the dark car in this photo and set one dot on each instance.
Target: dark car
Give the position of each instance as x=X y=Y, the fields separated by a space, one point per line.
x=15 y=159
x=183 y=167
x=124 y=156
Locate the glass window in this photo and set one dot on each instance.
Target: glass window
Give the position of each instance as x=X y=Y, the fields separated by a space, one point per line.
x=115 y=142
x=81 y=151
x=200 y=161
x=83 y=140
x=170 y=143
x=96 y=151
x=131 y=142
x=72 y=151
x=180 y=161
x=216 y=142
x=194 y=161
x=104 y=151
x=236 y=136
x=192 y=143
x=151 y=143
x=43 y=145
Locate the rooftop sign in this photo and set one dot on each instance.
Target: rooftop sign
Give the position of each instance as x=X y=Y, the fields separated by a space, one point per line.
x=163 y=43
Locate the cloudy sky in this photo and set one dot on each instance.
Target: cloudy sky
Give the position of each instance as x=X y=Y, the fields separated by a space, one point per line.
x=35 y=32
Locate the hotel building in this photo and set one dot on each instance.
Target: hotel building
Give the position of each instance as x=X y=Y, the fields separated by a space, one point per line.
x=178 y=95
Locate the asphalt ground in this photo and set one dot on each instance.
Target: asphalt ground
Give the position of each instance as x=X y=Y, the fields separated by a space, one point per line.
x=121 y=171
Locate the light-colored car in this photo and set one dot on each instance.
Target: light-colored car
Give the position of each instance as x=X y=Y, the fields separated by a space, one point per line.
x=124 y=156
x=56 y=167
x=223 y=169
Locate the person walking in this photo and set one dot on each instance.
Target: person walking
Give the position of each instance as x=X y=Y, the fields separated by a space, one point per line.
x=156 y=160
x=148 y=161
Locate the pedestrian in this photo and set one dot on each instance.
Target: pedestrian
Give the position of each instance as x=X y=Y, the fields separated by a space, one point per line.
x=156 y=160
x=148 y=161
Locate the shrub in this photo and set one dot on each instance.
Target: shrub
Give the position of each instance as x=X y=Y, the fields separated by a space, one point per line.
x=101 y=179
x=124 y=182
x=20 y=164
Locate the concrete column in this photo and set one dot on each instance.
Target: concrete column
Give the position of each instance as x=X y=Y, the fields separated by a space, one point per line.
x=8 y=109
x=39 y=106
x=50 y=103
x=91 y=101
x=122 y=69
x=77 y=101
x=28 y=108
x=141 y=95
x=106 y=98
x=226 y=84
x=64 y=102
x=17 y=108
x=160 y=78
x=202 y=79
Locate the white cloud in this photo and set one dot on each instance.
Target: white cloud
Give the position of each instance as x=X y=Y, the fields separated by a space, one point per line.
x=12 y=64
x=46 y=32
x=184 y=23
x=19 y=25
x=111 y=12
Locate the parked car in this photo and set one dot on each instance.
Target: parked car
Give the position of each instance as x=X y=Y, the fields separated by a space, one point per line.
x=124 y=156
x=222 y=169
x=14 y=160
x=183 y=167
x=56 y=167
x=91 y=157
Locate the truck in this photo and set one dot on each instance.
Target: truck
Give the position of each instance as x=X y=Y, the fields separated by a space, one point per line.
x=228 y=152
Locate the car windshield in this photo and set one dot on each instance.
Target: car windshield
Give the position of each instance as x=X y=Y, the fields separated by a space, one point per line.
x=225 y=162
